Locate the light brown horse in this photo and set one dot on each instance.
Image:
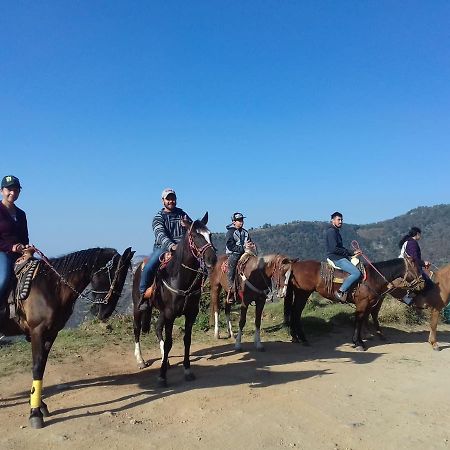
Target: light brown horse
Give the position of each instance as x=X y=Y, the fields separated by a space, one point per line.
x=258 y=272
x=306 y=278
x=435 y=297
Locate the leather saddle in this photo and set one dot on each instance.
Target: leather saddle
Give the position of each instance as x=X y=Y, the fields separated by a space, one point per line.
x=332 y=275
x=163 y=261
x=25 y=270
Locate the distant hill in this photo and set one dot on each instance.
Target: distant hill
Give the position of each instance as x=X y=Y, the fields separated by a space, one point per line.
x=305 y=240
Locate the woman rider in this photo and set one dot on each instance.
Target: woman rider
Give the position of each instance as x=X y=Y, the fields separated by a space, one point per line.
x=13 y=236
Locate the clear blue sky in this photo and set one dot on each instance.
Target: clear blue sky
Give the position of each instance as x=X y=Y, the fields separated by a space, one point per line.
x=284 y=110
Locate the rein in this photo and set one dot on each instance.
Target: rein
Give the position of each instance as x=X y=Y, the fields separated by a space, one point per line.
x=197 y=253
x=107 y=266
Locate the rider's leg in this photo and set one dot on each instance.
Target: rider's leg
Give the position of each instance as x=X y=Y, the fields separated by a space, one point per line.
x=232 y=263
x=6 y=269
x=354 y=276
x=149 y=271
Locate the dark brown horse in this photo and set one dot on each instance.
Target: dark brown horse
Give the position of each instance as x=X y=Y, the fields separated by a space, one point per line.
x=50 y=303
x=306 y=278
x=178 y=289
x=258 y=273
x=435 y=297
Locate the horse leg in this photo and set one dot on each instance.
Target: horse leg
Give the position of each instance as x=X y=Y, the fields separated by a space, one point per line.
x=168 y=327
x=433 y=327
x=228 y=318
x=215 y=308
x=296 y=327
x=189 y=322
x=360 y=317
x=258 y=315
x=40 y=349
x=137 y=334
x=374 y=313
x=242 y=320
x=159 y=334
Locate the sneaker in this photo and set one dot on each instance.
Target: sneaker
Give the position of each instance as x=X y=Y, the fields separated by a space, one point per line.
x=339 y=296
x=407 y=300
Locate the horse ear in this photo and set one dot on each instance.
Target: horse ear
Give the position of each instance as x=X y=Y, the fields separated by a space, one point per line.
x=204 y=221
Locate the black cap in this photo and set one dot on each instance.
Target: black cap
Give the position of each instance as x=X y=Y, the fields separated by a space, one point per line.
x=237 y=216
x=10 y=180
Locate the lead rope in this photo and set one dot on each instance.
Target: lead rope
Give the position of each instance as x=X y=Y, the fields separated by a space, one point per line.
x=356 y=247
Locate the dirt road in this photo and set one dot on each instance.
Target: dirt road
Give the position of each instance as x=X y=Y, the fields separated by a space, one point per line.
x=327 y=396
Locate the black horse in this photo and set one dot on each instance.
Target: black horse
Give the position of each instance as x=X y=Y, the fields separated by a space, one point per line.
x=178 y=289
x=54 y=290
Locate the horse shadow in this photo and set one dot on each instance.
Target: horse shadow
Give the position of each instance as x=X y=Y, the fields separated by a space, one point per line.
x=257 y=370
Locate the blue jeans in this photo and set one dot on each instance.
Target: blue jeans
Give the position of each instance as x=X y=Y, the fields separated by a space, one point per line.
x=149 y=271
x=6 y=270
x=354 y=276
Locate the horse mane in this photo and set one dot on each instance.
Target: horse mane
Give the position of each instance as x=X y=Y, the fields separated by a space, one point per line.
x=390 y=267
x=76 y=260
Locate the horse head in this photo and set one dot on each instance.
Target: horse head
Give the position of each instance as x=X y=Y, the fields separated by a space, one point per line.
x=107 y=281
x=200 y=244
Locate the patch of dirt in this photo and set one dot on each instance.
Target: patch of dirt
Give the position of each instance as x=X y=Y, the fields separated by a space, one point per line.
x=326 y=396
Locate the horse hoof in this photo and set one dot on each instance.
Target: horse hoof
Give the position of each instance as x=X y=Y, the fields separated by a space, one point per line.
x=162 y=382
x=436 y=348
x=143 y=365
x=238 y=349
x=295 y=340
x=44 y=410
x=360 y=348
x=189 y=377
x=36 y=422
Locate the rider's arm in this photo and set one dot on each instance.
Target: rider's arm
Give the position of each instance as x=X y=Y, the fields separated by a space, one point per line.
x=332 y=245
x=161 y=237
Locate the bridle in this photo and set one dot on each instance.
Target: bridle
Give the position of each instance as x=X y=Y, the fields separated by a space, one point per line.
x=108 y=266
x=201 y=273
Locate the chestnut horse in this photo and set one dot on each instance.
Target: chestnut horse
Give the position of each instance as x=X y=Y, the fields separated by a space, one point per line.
x=435 y=297
x=306 y=278
x=178 y=290
x=54 y=290
x=258 y=272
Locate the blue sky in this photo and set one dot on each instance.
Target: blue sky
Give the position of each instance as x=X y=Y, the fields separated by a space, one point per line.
x=284 y=110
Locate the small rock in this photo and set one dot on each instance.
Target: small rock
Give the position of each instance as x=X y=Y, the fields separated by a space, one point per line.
x=108 y=413
x=22 y=427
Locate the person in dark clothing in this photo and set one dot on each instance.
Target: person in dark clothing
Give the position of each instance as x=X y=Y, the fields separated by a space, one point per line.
x=13 y=236
x=340 y=255
x=237 y=242
x=168 y=228
x=409 y=245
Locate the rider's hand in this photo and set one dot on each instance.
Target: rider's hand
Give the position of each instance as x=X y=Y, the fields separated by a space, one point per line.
x=18 y=248
x=173 y=247
x=427 y=264
x=357 y=253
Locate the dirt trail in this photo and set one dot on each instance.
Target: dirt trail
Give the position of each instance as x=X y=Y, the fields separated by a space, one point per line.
x=327 y=396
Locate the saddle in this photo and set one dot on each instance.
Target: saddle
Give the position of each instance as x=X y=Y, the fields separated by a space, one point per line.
x=25 y=270
x=164 y=260
x=332 y=274
x=239 y=279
